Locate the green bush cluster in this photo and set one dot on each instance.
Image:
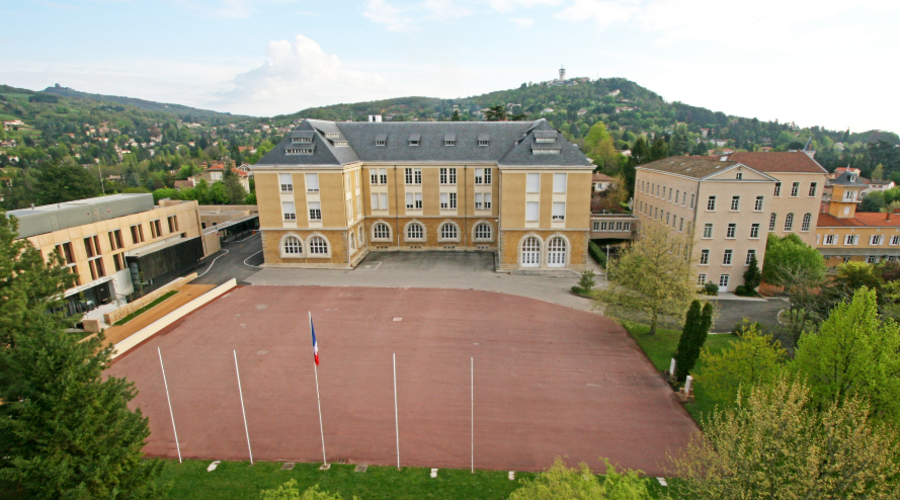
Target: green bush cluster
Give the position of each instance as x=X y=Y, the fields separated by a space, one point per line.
x=597 y=254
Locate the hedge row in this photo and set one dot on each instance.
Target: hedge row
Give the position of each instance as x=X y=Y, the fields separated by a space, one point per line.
x=597 y=253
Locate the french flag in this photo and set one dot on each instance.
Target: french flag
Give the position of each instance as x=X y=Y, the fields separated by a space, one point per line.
x=315 y=344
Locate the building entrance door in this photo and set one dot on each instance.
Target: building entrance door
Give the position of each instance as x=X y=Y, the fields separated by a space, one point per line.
x=531 y=252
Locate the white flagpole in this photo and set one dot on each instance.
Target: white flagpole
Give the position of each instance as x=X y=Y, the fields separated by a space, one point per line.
x=396 y=418
x=241 y=392
x=472 y=378
x=177 y=446
x=318 y=401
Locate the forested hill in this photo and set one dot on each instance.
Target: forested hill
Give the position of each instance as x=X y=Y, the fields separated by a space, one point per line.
x=628 y=110
x=177 y=109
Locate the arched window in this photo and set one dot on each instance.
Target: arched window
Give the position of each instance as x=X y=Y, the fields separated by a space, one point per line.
x=318 y=246
x=381 y=231
x=352 y=239
x=789 y=222
x=292 y=245
x=449 y=231
x=482 y=231
x=556 y=252
x=531 y=252
x=415 y=231
x=772 y=222
x=362 y=238
x=807 y=220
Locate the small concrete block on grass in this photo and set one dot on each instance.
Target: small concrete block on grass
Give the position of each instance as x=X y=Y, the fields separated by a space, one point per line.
x=213 y=466
x=287 y=466
x=361 y=468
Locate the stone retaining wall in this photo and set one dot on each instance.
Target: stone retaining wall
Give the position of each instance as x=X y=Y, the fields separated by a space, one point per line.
x=118 y=314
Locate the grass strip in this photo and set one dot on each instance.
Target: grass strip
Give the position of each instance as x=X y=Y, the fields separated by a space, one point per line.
x=146 y=308
x=241 y=481
x=660 y=348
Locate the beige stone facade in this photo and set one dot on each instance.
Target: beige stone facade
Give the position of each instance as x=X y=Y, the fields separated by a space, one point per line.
x=333 y=215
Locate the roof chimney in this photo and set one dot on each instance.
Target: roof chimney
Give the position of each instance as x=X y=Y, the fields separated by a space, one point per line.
x=375 y=118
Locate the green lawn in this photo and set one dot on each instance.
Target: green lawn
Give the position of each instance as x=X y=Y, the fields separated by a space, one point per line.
x=661 y=347
x=240 y=480
x=146 y=308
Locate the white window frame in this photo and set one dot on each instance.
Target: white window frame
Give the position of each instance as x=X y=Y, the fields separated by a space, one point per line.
x=535 y=207
x=758 y=204
x=409 y=226
x=490 y=232
x=445 y=227
x=380 y=235
x=707 y=230
x=728 y=257
x=283 y=246
x=701 y=279
x=559 y=183
x=287 y=183
x=789 y=222
x=533 y=183
x=314 y=247
x=558 y=211
x=812 y=188
x=735 y=203
x=288 y=211
x=315 y=210
x=750 y=254
x=312 y=183
x=806 y=223
x=711 y=203
x=704 y=257
x=731 y=232
x=754 y=231
x=795 y=189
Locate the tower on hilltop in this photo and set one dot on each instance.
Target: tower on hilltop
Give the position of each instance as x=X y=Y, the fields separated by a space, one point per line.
x=562 y=73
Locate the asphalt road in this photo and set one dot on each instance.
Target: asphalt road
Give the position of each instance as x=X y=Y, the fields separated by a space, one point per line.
x=733 y=311
x=237 y=259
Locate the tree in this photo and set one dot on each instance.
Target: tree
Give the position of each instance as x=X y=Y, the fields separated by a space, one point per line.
x=684 y=352
x=752 y=276
x=659 y=149
x=65 y=430
x=853 y=275
x=59 y=182
x=854 y=353
x=878 y=172
x=788 y=257
x=652 y=275
x=455 y=117
x=289 y=491
x=773 y=446
x=872 y=202
x=599 y=146
x=234 y=190
x=562 y=483
x=640 y=152
x=754 y=359
x=496 y=113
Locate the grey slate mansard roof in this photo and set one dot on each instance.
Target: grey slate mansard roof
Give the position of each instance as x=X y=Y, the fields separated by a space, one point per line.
x=510 y=143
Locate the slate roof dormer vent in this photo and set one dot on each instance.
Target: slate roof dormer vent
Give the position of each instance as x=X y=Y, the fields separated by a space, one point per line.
x=415 y=139
x=484 y=140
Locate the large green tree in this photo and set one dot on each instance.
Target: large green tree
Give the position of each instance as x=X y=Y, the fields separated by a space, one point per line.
x=598 y=145
x=234 y=190
x=652 y=275
x=58 y=182
x=775 y=446
x=66 y=432
x=854 y=353
x=562 y=483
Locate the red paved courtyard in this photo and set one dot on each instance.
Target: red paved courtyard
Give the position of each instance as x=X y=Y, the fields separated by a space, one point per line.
x=549 y=381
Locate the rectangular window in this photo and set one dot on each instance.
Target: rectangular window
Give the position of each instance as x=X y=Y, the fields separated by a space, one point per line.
x=479 y=201
x=812 y=188
x=410 y=203
x=726 y=260
x=374 y=202
x=358 y=205
x=723 y=280
x=667 y=218
x=383 y=201
x=287 y=185
x=795 y=189
x=378 y=176
x=876 y=240
x=707 y=230
x=287 y=208
x=137 y=234
x=831 y=239
x=448 y=176
x=701 y=279
x=677 y=194
x=739 y=175
x=704 y=257
x=312 y=183
x=445 y=203
x=750 y=255
x=418 y=198
x=487 y=201
x=772 y=219
x=732 y=230
x=895 y=240
x=754 y=231
x=711 y=203
x=155 y=230
x=692 y=201
x=851 y=239
x=735 y=203
x=559 y=183
x=89 y=247
x=315 y=210
x=670 y=194
x=479 y=176
x=413 y=176
x=758 y=206
x=681 y=224
x=626 y=226
x=112 y=241
x=559 y=211
x=533 y=183
x=531 y=211
x=117 y=261
x=777 y=189
x=871 y=259
x=173 y=223
x=596 y=226
x=382 y=175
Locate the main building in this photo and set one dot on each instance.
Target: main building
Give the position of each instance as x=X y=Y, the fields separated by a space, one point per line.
x=331 y=192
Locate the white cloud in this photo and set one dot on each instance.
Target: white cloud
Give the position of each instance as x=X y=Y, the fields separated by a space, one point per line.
x=234 y=9
x=604 y=13
x=297 y=75
x=445 y=9
x=506 y=6
x=522 y=22
x=395 y=18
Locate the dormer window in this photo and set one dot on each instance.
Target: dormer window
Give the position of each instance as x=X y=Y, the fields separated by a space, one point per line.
x=381 y=140
x=299 y=151
x=332 y=135
x=301 y=140
x=852 y=178
x=302 y=137
x=484 y=140
x=414 y=140
x=341 y=143
x=449 y=139
x=545 y=136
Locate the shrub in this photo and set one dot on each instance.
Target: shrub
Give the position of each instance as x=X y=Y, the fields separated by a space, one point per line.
x=741 y=290
x=597 y=254
x=587 y=280
x=711 y=289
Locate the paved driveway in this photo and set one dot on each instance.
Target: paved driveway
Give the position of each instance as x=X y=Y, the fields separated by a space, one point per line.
x=461 y=270
x=237 y=259
x=732 y=311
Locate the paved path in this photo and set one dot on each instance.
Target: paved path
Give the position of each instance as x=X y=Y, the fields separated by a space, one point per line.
x=460 y=270
x=229 y=262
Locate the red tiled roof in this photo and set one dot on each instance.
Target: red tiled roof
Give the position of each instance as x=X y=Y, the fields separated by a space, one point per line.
x=778 y=161
x=597 y=177
x=862 y=219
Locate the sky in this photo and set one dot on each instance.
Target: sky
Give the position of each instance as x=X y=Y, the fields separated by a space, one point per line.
x=831 y=63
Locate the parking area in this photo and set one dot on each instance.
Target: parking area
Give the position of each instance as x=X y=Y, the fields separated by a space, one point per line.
x=730 y=312
x=547 y=381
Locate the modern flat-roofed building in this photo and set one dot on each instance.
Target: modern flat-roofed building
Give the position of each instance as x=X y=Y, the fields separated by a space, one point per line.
x=115 y=245
x=332 y=191
x=722 y=206
x=843 y=234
